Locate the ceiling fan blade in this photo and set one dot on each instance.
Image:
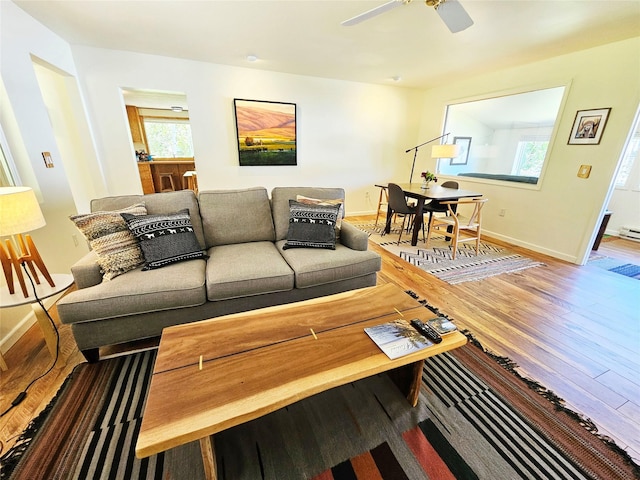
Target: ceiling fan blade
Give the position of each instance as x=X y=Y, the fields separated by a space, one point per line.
x=373 y=12
x=454 y=15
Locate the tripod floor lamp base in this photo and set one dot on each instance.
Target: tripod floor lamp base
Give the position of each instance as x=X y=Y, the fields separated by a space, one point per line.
x=29 y=255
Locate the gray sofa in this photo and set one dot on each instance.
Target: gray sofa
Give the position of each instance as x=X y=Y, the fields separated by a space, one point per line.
x=243 y=233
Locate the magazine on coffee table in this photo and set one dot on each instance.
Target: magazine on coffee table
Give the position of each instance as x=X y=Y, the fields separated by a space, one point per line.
x=397 y=338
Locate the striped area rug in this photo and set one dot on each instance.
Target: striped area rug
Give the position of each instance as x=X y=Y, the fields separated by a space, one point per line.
x=476 y=419
x=437 y=260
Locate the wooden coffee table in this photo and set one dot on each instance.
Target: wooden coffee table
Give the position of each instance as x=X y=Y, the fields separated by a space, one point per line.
x=256 y=362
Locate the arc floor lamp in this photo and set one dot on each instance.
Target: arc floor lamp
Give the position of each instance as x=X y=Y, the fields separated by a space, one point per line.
x=445 y=150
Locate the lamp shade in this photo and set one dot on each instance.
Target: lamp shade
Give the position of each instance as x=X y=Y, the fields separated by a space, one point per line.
x=445 y=151
x=19 y=211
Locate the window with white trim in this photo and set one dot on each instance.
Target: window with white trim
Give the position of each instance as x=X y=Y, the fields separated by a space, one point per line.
x=625 y=177
x=530 y=156
x=168 y=137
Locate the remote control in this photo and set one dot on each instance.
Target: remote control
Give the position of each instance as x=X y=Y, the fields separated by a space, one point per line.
x=426 y=330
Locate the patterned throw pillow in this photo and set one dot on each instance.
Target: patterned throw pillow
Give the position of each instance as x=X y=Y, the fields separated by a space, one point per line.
x=319 y=201
x=117 y=249
x=165 y=239
x=311 y=226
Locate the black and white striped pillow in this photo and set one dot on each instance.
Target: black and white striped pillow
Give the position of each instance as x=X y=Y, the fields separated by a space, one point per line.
x=165 y=239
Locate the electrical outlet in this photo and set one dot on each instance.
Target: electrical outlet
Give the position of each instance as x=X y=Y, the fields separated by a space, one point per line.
x=75 y=239
x=503 y=212
x=366 y=196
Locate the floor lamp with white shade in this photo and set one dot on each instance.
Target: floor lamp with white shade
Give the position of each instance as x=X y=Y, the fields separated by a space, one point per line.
x=444 y=150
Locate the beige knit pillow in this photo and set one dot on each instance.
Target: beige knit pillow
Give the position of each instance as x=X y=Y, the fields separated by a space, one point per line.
x=117 y=249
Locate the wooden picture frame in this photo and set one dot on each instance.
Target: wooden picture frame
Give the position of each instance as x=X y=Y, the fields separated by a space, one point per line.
x=588 y=126
x=266 y=132
x=465 y=146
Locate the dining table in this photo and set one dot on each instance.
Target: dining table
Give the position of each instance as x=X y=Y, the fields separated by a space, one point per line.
x=421 y=194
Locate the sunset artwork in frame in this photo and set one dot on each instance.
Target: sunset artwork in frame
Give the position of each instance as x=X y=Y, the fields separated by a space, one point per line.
x=266 y=132
x=589 y=126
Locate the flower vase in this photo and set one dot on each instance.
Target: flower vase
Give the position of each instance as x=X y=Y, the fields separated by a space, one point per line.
x=425 y=184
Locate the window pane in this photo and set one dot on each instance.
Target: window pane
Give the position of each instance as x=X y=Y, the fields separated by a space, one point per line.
x=629 y=159
x=530 y=158
x=168 y=139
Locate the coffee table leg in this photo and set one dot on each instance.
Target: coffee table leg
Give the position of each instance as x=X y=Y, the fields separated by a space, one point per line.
x=209 y=457
x=413 y=392
x=409 y=379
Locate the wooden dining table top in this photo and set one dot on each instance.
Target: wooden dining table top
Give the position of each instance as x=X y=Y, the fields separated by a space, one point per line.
x=436 y=192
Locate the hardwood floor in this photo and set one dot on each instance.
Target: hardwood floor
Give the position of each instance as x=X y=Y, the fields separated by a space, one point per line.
x=574 y=329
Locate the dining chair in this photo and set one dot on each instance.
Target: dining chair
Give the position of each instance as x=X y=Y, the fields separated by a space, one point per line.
x=398 y=206
x=436 y=206
x=471 y=225
x=383 y=202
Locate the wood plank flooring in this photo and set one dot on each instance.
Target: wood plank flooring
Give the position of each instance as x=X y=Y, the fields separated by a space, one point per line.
x=574 y=329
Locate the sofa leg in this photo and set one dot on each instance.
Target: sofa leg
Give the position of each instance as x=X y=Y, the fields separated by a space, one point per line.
x=92 y=355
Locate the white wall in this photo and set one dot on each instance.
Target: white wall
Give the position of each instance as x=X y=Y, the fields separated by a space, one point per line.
x=28 y=126
x=349 y=134
x=559 y=215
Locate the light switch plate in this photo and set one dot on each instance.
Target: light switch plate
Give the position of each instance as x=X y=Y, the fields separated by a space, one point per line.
x=48 y=161
x=584 y=171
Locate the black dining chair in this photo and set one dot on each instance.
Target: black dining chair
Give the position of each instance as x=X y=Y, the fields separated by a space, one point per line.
x=435 y=206
x=398 y=206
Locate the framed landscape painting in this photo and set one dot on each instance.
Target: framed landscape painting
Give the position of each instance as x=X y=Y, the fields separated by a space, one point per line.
x=266 y=132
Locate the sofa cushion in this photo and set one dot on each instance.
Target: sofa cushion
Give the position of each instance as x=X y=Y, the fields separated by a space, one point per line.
x=311 y=226
x=165 y=239
x=158 y=203
x=246 y=269
x=175 y=286
x=317 y=267
x=109 y=237
x=236 y=216
x=280 y=197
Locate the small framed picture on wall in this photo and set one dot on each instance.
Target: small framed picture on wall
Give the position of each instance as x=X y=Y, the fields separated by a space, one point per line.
x=589 y=126
x=465 y=145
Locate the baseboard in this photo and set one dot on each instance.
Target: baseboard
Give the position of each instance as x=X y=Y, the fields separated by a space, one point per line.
x=361 y=214
x=532 y=247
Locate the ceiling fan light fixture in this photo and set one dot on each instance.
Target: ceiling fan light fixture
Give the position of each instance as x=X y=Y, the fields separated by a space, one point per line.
x=433 y=3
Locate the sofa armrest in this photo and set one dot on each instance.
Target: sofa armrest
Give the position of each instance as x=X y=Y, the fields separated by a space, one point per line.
x=86 y=271
x=353 y=237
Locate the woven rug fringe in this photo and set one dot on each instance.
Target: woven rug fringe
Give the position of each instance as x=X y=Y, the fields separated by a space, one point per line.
x=555 y=400
x=10 y=460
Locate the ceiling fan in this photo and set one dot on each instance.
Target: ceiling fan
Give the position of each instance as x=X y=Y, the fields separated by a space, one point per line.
x=452 y=13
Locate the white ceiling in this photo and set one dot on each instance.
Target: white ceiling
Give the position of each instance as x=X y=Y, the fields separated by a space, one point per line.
x=305 y=36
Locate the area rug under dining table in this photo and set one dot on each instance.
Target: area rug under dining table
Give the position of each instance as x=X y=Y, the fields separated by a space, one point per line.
x=477 y=418
x=437 y=259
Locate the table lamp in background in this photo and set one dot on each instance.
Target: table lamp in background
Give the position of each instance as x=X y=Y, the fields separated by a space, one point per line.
x=20 y=213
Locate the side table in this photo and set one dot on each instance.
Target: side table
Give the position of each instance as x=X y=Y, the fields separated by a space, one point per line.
x=44 y=290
